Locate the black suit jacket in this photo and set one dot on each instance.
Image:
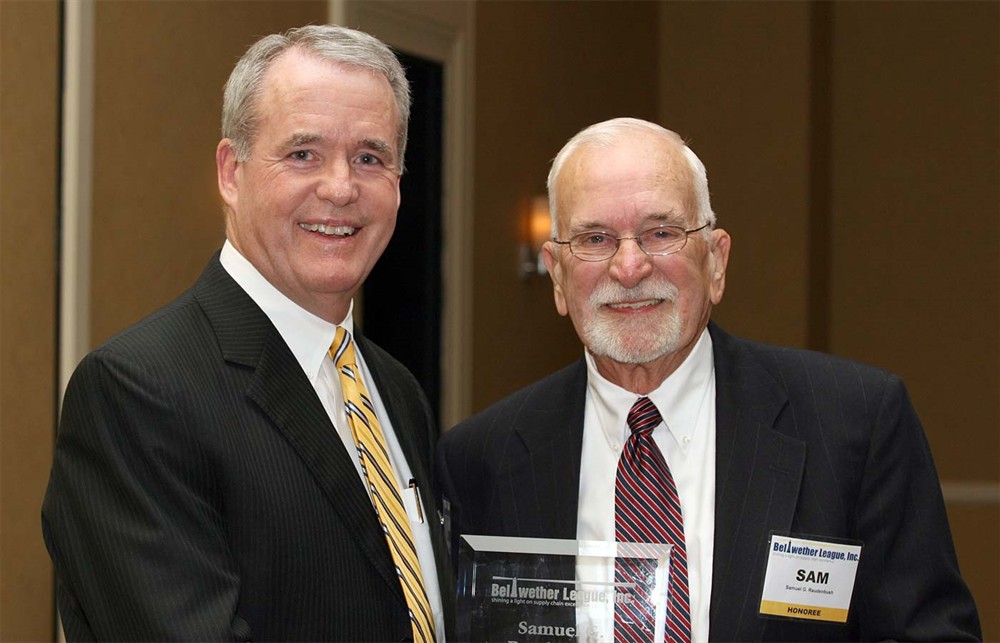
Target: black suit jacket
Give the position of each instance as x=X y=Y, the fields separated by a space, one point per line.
x=199 y=490
x=805 y=443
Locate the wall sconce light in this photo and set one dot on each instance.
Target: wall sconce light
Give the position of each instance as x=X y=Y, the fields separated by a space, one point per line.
x=535 y=229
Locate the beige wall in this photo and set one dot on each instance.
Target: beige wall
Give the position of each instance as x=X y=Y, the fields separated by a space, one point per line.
x=588 y=61
x=852 y=151
x=916 y=213
x=158 y=95
x=734 y=81
x=29 y=120
x=915 y=229
x=851 y=148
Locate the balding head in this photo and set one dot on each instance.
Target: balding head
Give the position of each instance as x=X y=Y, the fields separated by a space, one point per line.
x=677 y=162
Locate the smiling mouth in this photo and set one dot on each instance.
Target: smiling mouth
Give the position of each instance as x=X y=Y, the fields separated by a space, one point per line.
x=634 y=305
x=331 y=230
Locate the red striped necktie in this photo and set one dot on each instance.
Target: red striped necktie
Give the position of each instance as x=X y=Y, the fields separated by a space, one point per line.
x=648 y=510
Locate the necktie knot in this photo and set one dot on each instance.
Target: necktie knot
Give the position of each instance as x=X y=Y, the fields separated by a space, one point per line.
x=342 y=349
x=644 y=416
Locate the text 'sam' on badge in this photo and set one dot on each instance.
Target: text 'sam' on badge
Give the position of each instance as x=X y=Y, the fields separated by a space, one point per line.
x=808 y=578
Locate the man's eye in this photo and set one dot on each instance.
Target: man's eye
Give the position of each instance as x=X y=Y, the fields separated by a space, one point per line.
x=593 y=239
x=301 y=155
x=664 y=234
x=369 y=159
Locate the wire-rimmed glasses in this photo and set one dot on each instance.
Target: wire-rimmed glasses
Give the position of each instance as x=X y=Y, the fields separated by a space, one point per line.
x=660 y=240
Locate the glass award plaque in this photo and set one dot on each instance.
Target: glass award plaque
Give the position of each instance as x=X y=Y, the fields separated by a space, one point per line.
x=535 y=589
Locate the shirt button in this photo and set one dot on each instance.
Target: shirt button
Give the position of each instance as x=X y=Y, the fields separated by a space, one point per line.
x=617 y=447
x=686 y=440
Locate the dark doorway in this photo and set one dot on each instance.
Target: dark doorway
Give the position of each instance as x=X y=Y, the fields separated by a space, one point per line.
x=402 y=295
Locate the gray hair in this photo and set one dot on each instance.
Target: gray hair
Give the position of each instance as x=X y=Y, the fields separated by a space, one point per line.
x=328 y=42
x=607 y=133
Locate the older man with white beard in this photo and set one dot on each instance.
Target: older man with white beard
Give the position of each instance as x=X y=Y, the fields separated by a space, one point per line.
x=671 y=431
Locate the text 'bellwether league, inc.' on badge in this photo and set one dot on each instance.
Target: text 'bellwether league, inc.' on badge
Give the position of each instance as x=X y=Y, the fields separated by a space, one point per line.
x=809 y=579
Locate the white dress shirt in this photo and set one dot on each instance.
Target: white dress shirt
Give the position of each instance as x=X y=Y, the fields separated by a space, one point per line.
x=309 y=338
x=686 y=401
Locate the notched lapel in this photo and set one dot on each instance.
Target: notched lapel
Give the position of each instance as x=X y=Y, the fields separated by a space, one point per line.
x=547 y=473
x=281 y=390
x=758 y=475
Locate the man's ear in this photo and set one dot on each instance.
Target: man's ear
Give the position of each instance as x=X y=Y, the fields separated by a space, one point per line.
x=719 y=261
x=225 y=167
x=553 y=265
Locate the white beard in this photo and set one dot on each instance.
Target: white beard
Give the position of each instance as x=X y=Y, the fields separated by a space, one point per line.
x=632 y=341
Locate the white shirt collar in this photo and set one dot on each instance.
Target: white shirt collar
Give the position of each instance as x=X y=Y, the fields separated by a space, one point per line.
x=678 y=398
x=308 y=336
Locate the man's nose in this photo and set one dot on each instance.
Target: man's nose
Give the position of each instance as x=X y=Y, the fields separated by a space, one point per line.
x=338 y=184
x=630 y=265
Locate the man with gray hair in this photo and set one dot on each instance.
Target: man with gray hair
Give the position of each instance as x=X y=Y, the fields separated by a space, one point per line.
x=797 y=490
x=244 y=464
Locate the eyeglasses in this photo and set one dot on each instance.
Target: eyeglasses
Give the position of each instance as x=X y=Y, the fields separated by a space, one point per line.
x=600 y=246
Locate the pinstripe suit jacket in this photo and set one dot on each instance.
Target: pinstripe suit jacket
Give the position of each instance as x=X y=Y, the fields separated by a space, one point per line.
x=806 y=443
x=200 y=492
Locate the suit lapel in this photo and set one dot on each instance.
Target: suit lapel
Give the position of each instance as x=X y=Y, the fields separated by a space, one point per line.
x=281 y=390
x=758 y=473
x=547 y=473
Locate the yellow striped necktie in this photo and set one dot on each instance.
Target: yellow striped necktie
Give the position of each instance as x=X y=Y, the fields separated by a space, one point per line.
x=382 y=485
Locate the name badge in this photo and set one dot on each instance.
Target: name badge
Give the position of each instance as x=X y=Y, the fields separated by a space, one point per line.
x=809 y=579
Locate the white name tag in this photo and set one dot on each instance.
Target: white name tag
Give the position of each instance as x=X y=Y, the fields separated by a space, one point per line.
x=809 y=579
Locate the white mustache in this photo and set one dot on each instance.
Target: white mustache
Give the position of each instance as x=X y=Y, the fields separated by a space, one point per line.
x=610 y=292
